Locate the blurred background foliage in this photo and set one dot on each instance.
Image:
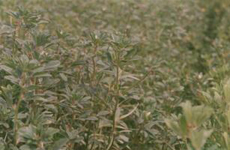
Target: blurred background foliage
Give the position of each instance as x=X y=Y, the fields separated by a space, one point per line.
x=113 y=74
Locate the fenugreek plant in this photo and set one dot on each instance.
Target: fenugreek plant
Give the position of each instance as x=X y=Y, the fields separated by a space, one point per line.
x=188 y=125
x=63 y=94
x=114 y=74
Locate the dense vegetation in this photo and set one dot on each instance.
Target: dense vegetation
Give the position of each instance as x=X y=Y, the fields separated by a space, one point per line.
x=114 y=75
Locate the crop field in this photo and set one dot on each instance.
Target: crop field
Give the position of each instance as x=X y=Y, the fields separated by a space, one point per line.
x=114 y=75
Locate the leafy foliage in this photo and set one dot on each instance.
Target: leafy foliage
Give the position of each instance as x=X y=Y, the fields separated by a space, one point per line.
x=114 y=75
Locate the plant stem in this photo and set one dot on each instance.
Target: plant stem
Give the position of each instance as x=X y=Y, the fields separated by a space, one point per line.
x=116 y=104
x=16 y=126
x=94 y=63
x=21 y=96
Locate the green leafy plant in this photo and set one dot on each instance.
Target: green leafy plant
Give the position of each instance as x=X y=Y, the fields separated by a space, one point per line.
x=104 y=75
x=188 y=124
